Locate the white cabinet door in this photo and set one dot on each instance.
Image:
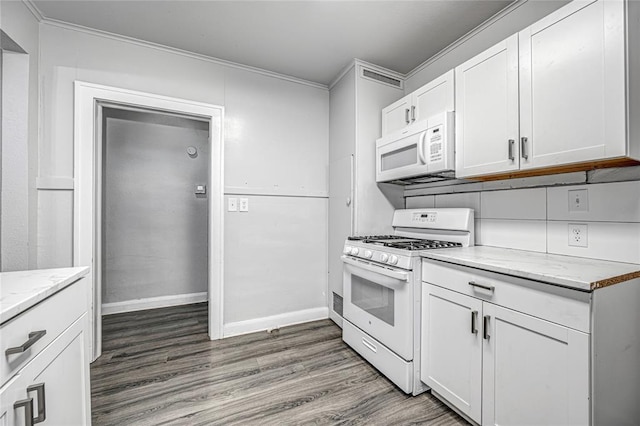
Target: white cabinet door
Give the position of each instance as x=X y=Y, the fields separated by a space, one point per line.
x=487 y=111
x=13 y=403
x=451 y=347
x=57 y=381
x=396 y=116
x=63 y=373
x=572 y=85
x=534 y=372
x=435 y=97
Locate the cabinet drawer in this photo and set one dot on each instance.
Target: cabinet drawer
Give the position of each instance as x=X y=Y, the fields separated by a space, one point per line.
x=391 y=365
x=556 y=304
x=52 y=315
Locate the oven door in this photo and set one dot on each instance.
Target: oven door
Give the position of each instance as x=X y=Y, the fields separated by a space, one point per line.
x=378 y=300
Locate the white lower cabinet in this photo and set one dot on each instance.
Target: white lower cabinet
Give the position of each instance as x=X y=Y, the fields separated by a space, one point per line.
x=452 y=348
x=497 y=365
x=52 y=387
x=534 y=372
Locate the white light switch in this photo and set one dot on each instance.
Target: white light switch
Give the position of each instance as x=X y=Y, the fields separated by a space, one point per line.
x=244 y=204
x=578 y=200
x=233 y=205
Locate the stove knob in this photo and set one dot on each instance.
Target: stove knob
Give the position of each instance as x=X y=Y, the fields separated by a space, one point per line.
x=355 y=250
x=384 y=257
x=347 y=250
x=393 y=259
x=368 y=254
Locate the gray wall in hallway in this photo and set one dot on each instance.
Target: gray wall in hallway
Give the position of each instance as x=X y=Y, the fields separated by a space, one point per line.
x=154 y=225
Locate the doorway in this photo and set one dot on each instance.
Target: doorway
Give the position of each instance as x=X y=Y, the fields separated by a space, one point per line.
x=154 y=210
x=147 y=210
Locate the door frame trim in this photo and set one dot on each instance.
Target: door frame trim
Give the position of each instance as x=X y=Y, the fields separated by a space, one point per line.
x=87 y=143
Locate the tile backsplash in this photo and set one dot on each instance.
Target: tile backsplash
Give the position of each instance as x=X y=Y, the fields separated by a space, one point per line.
x=539 y=219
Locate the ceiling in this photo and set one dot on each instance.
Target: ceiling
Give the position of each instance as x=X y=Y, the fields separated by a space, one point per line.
x=310 y=40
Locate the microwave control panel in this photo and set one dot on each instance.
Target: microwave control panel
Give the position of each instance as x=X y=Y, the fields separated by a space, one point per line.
x=436 y=146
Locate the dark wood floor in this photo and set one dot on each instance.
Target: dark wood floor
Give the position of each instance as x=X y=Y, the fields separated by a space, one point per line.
x=159 y=367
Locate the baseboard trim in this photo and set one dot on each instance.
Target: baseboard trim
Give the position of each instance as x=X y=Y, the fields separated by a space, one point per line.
x=152 y=303
x=275 y=321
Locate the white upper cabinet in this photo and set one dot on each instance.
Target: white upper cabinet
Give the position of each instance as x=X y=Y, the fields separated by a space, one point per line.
x=397 y=115
x=572 y=85
x=487 y=111
x=431 y=99
x=554 y=94
x=434 y=97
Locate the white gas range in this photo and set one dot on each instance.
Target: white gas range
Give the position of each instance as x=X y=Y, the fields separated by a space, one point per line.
x=381 y=282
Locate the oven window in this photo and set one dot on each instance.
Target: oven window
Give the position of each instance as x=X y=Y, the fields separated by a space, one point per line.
x=407 y=156
x=373 y=298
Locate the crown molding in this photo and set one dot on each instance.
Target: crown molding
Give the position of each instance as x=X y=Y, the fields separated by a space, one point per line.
x=131 y=40
x=105 y=34
x=34 y=10
x=486 y=24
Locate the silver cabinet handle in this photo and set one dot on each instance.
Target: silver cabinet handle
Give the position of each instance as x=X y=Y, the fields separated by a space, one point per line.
x=523 y=147
x=482 y=286
x=485 y=327
x=406 y=116
x=348 y=201
x=34 y=336
x=42 y=408
x=413 y=113
x=28 y=410
x=511 y=143
x=474 y=318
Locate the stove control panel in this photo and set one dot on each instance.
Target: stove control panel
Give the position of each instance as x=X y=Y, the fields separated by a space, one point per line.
x=425 y=217
x=403 y=262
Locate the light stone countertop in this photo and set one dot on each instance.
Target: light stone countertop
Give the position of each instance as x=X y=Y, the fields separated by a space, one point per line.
x=568 y=271
x=21 y=290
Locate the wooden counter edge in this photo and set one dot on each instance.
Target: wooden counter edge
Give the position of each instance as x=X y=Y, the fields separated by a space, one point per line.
x=615 y=280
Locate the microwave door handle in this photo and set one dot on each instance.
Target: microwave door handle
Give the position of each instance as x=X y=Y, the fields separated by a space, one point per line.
x=421 y=146
x=396 y=275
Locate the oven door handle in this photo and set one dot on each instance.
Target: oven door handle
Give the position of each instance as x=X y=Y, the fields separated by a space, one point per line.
x=396 y=275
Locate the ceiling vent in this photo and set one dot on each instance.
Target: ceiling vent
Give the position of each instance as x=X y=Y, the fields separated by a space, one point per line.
x=382 y=78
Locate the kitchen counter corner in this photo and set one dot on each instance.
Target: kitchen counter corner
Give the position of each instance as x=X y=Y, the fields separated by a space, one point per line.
x=21 y=290
x=574 y=272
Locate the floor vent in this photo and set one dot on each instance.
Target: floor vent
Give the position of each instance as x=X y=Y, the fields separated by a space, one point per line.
x=382 y=78
x=337 y=304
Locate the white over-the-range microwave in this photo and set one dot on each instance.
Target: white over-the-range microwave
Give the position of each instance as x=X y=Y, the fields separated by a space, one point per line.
x=425 y=147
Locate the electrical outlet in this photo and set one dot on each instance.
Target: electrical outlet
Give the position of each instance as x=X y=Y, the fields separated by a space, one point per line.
x=244 y=204
x=578 y=200
x=578 y=234
x=233 y=205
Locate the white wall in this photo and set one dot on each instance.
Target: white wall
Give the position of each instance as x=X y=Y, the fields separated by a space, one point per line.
x=538 y=219
x=15 y=160
x=19 y=143
x=375 y=203
x=276 y=146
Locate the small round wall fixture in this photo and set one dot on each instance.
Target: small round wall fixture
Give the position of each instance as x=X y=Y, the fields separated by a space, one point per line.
x=192 y=151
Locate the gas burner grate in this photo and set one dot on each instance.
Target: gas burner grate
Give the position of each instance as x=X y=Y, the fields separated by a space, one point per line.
x=372 y=238
x=422 y=244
